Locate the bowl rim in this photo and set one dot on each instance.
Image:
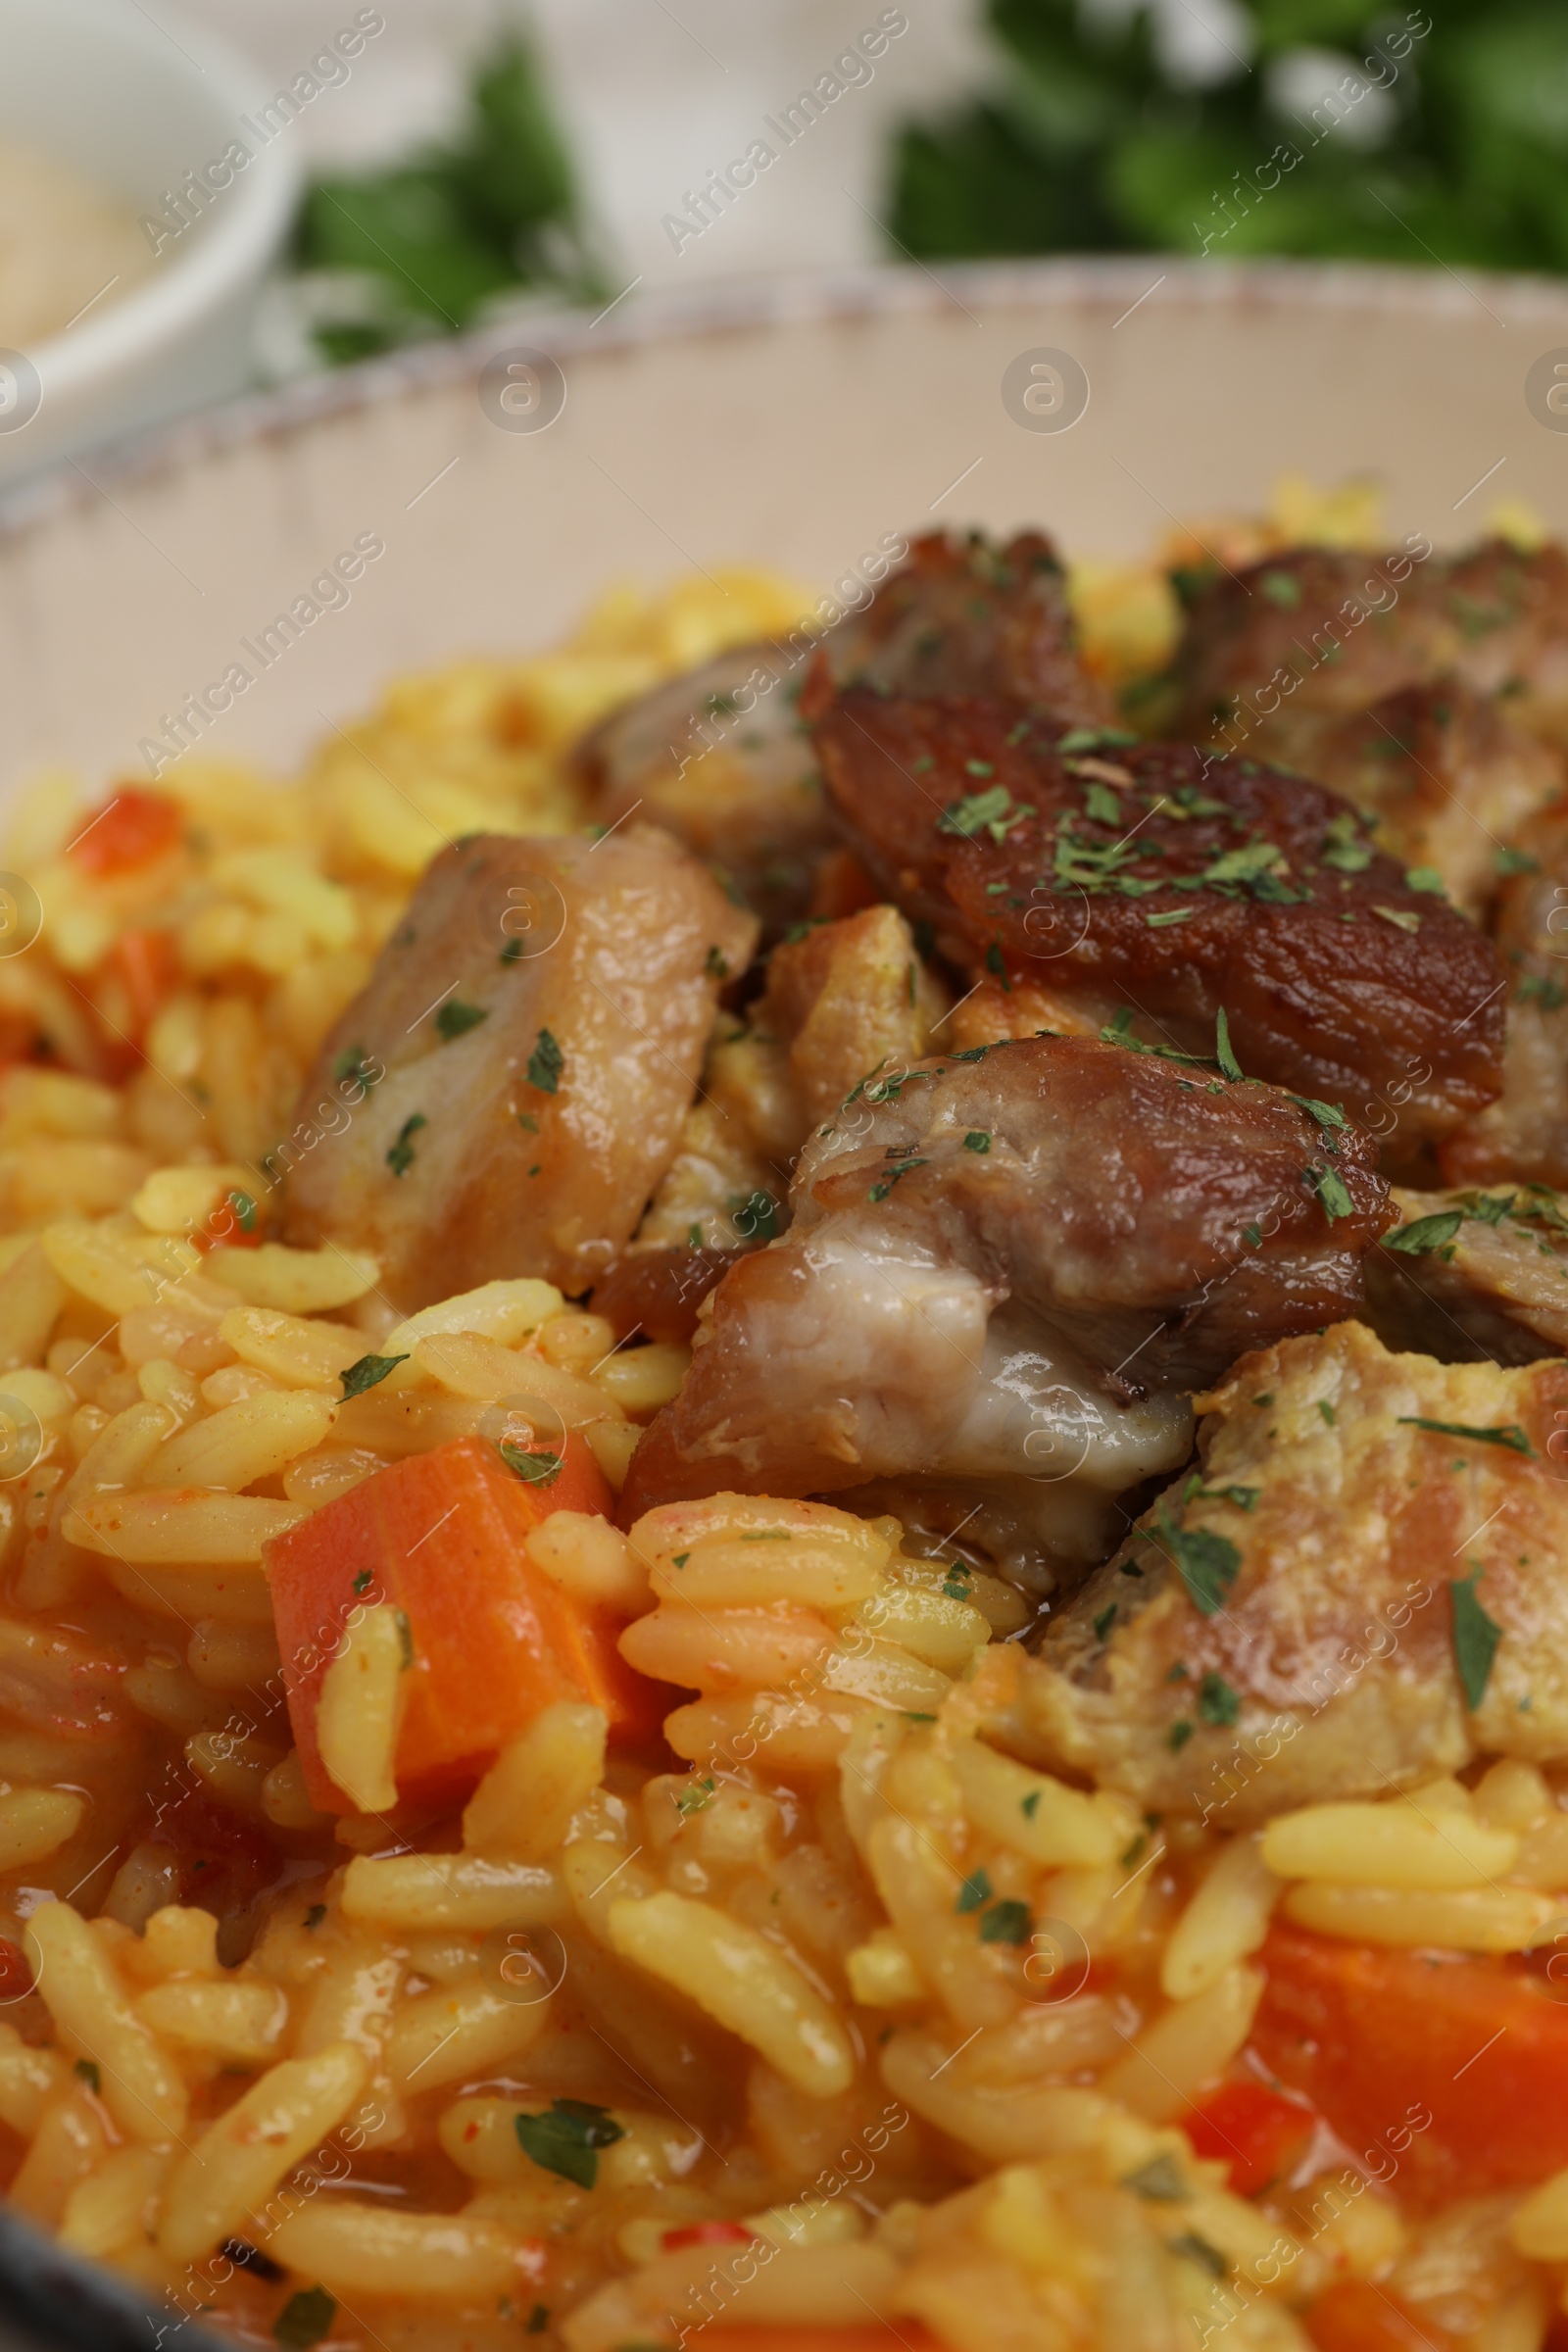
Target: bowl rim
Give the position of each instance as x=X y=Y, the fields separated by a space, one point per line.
x=731 y=305
x=235 y=244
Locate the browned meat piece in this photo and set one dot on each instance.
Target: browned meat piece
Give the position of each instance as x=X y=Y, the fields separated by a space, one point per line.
x=1447 y=779
x=1525 y=1134
x=1472 y=1275
x=1273 y=654
x=963 y=616
x=721 y=758
x=1156 y=883
x=846 y=999
x=987 y=1252
x=540 y=1016
x=1281 y=1628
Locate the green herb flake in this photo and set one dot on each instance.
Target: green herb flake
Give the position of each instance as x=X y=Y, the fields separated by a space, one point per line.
x=1217 y=1703
x=1160 y=2180
x=400 y=1157
x=456 y=1019
x=87 y=2069
x=1198 y=2249
x=1508 y=861
x=992 y=811
x=1089 y=739
x=1330 y=1417
x=916 y=1715
x=534 y=1469
x=1333 y=1195
x=1177 y=1736
x=1344 y=847
x=538 y=2320
x=717 y=965
x=512 y=953
x=244 y=1209
x=1425 y=1233
x=1510 y=1435
x=1102 y=805
x=305 y=2318
x=1105 y=1621
x=315 y=1915
x=568 y=2139
x=1006 y=1922
x=695 y=1799
x=1426 y=878
x=1208 y=1563
x=1476 y=1636
x=353 y=1067
x=368 y=1371
x=546 y=1063
x=1029 y=1805
x=880 y=1191
x=1402 y=917
x=1282 y=588
x=976 y=1891
x=977 y=1140
x=1173 y=915
x=1229 y=1066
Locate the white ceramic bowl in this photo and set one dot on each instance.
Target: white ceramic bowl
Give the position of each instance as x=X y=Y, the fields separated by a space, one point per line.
x=786 y=423
x=136 y=99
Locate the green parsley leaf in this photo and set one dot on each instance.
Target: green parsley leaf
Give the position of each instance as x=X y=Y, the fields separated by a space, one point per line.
x=1229 y=1066
x=976 y=1891
x=568 y=2139
x=1246 y=864
x=718 y=965
x=1173 y=915
x=353 y=1067
x=991 y=812
x=1208 y=1563
x=1029 y=1805
x=1426 y=878
x=1344 y=847
x=368 y=1371
x=1330 y=1417
x=1160 y=2180
x=1510 y=1435
x=1198 y=2249
x=977 y=1140
x=1329 y=1187
x=1105 y=1621
x=456 y=1019
x=1425 y=1233
x=244 y=1209
x=1088 y=739
x=1327 y=1114
x=1102 y=805
x=315 y=1915
x=1217 y=1703
x=880 y=1191
x=364 y=1581
x=695 y=1799
x=534 y=1469
x=546 y=1063
x=400 y=1159
x=1508 y=860
x=1006 y=1922
x=1550 y=994
x=1475 y=1637
x=1402 y=917
x=305 y=2318
x=1282 y=588
x=1177 y=1736
x=87 y=2069
x=512 y=953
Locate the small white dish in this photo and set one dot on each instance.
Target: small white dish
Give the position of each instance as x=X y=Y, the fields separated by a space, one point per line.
x=136 y=103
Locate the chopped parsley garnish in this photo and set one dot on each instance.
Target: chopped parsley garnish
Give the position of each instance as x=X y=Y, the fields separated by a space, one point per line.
x=1229 y=1066
x=695 y=1799
x=1089 y=739
x=977 y=1140
x=1177 y=1736
x=534 y=1469
x=87 y=2069
x=1344 y=847
x=353 y=1067
x=456 y=1019
x=991 y=812
x=368 y=1371
x=1198 y=2249
x=1426 y=878
x=1509 y=1434
x=1217 y=1703
x=305 y=2318
x=1246 y=864
x=568 y=2139
x=1208 y=1563
x=1244 y=1497
x=244 y=1209
x=718 y=965
x=1332 y=1197
x=362 y=1582
x=400 y=1157
x=1328 y=1115
x=315 y=1915
x=512 y=952
x=1282 y=588
x=1425 y=1233
x=1402 y=917
x=880 y=1191
x=1105 y=1621
x=1508 y=861
x=1171 y=915
x=1475 y=1637
x=1029 y=1805
x=1160 y=2180
x=1330 y=1417
x=1006 y=1922
x=546 y=1063
x=1550 y=995
x=976 y=1891
x=1102 y=804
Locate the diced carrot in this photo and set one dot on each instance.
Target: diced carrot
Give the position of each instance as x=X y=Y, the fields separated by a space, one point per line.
x=494 y=1640
x=1452 y=2069
x=1251 y=2129
x=129 y=830
x=1355 y=2316
x=707 y=2233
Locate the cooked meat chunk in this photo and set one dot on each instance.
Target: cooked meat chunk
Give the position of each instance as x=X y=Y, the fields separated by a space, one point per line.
x=1281 y=1628
x=965 y=617
x=721 y=758
x=1160 y=884
x=1525 y=1133
x=1472 y=1275
x=1448 y=780
x=993 y=1258
x=720 y=755
x=539 y=1019
x=1312 y=635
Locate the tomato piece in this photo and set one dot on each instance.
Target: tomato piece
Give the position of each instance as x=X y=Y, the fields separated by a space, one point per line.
x=1250 y=2128
x=876 y=2336
x=1355 y=2316
x=1452 y=2069
x=129 y=830
x=707 y=2233
x=16 y=1977
x=142 y=969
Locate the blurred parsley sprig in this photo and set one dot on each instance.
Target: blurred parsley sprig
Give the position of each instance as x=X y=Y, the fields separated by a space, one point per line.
x=423 y=248
x=1092 y=139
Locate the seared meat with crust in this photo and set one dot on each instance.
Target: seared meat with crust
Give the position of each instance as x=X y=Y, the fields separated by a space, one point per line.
x=1487 y=1277
x=963 y=616
x=1525 y=1134
x=1447 y=779
x=986 y=1253
x=1318 y=1658
x=531 y=1100
x=720 y=755
x=1260 y=669
x=1153 y=879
